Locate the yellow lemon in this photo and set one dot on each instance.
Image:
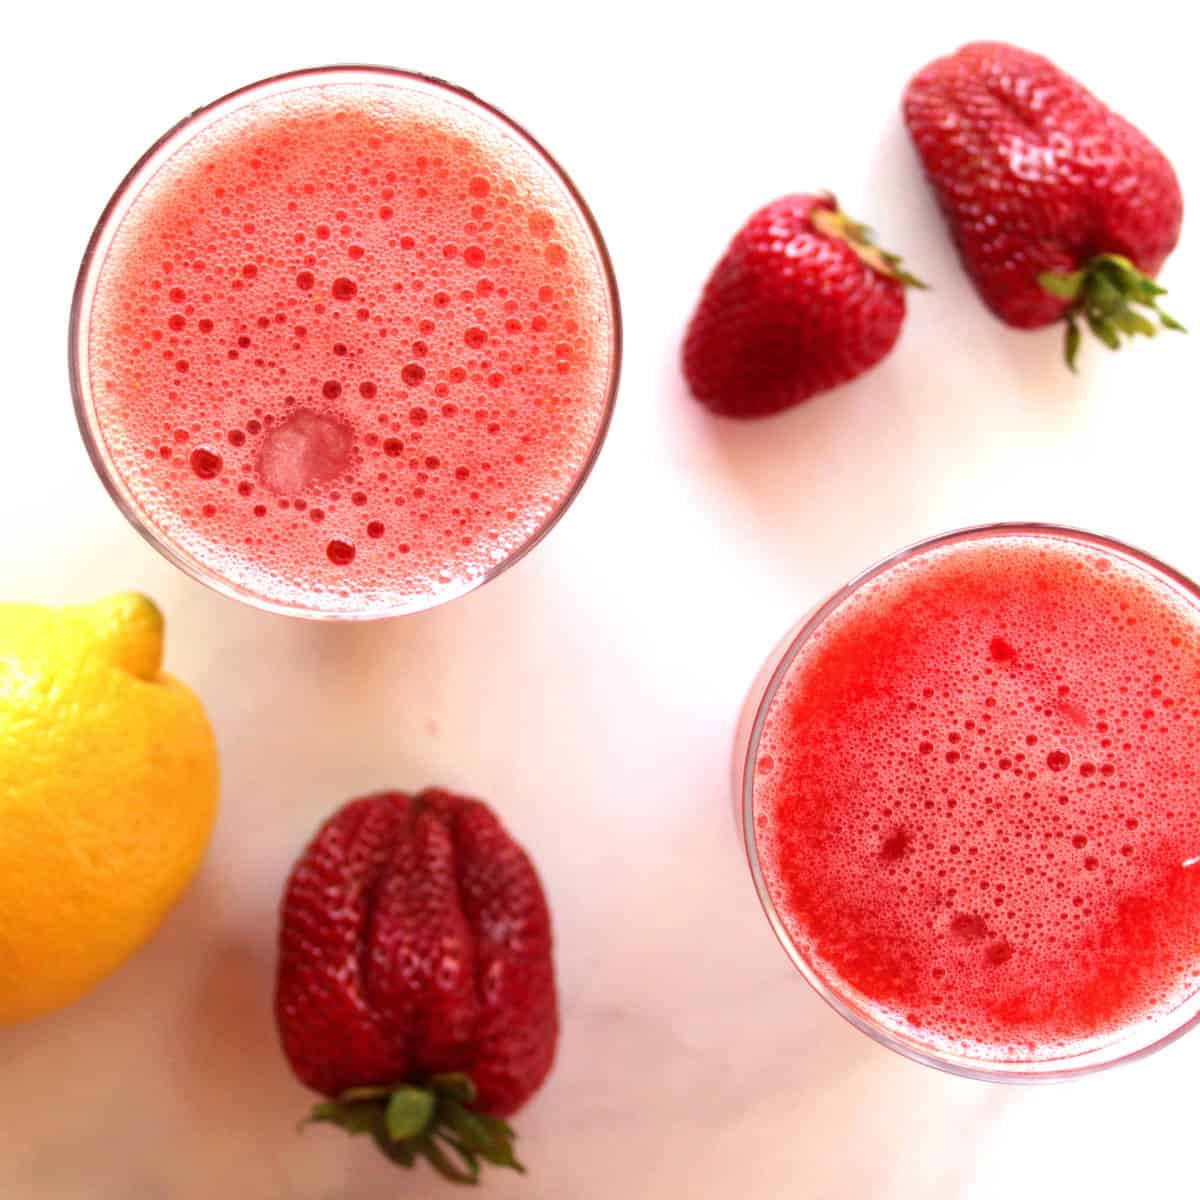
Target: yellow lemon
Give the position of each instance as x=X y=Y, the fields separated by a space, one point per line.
x=108 y=790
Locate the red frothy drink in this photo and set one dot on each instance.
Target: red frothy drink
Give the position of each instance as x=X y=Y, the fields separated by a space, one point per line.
x=345 y=343
x=976 y=799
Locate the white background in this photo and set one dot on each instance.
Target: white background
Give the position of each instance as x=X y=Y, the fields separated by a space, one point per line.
x=590 y=693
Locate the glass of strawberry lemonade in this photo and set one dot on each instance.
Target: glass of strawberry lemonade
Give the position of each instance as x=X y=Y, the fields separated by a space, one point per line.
x=968 y=786
x=345 y=343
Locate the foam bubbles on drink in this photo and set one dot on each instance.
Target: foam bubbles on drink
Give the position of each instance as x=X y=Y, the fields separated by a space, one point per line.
x=982 y=789
x=280 y=295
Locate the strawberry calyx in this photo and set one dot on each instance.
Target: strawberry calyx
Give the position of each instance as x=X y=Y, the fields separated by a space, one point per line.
x=432 y=1120
x=1106 y=295
x=832 y=222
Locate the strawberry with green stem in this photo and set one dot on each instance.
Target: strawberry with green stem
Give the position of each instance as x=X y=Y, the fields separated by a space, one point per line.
x=1060 y=209
x=802 y=300
x=415 y=984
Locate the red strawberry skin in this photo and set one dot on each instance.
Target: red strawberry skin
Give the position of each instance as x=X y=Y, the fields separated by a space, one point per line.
x=415 y=939
x=1035 y=174
x=788 y=312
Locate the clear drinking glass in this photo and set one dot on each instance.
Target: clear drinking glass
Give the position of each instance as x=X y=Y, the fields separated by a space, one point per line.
x=1147 y=1037
x=109 y=226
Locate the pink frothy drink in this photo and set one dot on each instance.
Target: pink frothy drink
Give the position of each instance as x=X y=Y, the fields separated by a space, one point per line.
x=345 y=343
x=971 y=799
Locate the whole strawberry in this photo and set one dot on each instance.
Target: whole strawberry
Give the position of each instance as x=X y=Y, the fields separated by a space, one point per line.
x=802 y=301
x=415 y=985
x=1060 y=209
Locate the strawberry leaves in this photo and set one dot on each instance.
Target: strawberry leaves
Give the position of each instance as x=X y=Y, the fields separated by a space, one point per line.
x=1106 y=294
x=408 y=1113
x=433 y=1121
x=832 y=222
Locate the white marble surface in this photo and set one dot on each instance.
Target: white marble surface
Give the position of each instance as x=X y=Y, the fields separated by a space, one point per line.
x=590 y=693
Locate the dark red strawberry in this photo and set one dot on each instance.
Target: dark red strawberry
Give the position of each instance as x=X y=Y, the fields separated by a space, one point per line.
x=1060 y=209
x=415 y=986
x=802 y=301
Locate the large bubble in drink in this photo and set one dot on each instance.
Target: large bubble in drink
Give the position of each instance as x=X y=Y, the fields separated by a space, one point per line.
x=306 y=448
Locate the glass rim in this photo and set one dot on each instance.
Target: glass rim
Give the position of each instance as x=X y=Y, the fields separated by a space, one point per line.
x=1123 y=1047
x=94 y=255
